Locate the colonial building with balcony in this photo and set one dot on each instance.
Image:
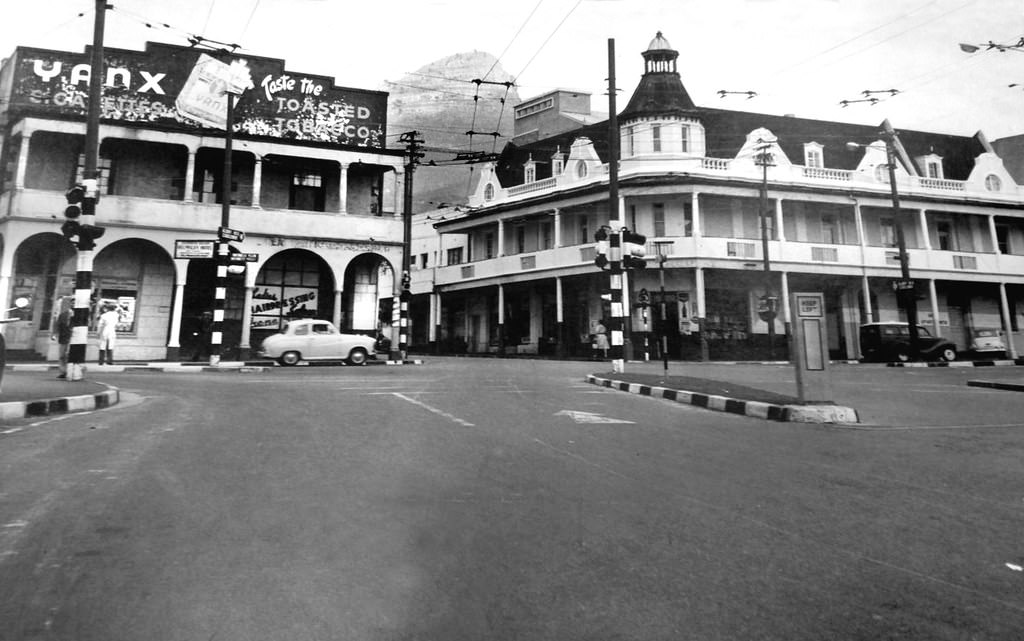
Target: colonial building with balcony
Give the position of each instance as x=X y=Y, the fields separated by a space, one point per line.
x=313 y=190
x=712 y=190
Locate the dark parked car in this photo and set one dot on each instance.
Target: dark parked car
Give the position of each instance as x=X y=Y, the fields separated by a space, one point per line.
x=891 y=342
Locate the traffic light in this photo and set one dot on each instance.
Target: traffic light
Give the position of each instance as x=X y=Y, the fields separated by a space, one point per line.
x=601 y=247
x=82 y=236
x=633 y=250
x=644 y=298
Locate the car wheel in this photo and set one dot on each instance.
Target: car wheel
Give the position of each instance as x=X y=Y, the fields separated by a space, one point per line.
x=290 y=358
x=357 y=356
x=948 y=354
x=903 y=357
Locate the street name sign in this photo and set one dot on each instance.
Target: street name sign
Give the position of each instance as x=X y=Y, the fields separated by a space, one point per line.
x=193 y=249
x=226 y=233
x=243 y=258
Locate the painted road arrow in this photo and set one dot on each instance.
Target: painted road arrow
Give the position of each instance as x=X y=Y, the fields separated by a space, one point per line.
x=589 y=417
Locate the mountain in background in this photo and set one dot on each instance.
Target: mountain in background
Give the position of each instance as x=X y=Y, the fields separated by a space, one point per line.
x=442 y=102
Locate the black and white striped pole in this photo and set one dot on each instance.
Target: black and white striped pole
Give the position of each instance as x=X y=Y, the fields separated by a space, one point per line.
x=83 y=232
x=615 y=327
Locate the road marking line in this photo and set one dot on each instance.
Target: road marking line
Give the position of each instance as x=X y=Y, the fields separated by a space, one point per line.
x=433 y=409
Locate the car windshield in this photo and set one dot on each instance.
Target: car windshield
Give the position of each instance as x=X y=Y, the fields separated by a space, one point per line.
x=986 y=332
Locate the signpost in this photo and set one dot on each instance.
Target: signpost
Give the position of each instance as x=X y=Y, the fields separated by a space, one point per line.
x=188 y=249
x=813 y=379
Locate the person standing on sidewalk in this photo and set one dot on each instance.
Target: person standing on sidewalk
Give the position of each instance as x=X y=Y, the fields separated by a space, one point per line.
x=107 y=331
x=61 y=332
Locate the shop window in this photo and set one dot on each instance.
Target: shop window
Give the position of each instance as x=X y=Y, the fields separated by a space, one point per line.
x=122 y=296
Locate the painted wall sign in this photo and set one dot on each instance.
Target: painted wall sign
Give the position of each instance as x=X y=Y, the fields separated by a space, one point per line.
x=143 y=87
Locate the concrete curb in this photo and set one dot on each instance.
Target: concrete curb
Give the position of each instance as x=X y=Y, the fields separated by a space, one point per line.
x=994 y=363
x=1010 y=387
x=754 y=409
x=62 y=405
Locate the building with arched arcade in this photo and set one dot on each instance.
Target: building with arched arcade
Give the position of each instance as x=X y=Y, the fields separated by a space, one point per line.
x=313 y=188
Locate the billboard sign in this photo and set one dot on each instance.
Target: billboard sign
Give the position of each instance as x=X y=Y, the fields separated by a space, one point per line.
x=152 y=88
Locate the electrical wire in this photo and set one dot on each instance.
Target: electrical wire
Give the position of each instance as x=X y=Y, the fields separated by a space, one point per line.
x=521 y=27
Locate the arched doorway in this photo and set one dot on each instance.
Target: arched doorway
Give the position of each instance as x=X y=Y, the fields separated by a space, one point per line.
x=294 y=283
x=39 y=263
x=369 y=290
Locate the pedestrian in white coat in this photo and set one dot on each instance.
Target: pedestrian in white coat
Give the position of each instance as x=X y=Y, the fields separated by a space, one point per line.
x=106 y=329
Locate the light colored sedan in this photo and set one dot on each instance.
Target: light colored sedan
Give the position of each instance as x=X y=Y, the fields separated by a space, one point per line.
x=309 y=339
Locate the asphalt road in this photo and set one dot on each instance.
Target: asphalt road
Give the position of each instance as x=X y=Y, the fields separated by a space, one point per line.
x=487 y=499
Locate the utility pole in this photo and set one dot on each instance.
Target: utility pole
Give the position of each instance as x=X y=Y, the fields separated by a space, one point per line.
x=905 y=290
x=617 y=326
x=764 y=158
x=90 y=182
x=223 y=248
x=413 y=142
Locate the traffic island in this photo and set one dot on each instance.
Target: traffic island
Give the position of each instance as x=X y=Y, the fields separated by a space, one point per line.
x=107 y=396
x=726 y=397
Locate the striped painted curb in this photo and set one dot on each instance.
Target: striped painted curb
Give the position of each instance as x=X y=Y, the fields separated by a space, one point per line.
x=62 y=405
x=754 y=409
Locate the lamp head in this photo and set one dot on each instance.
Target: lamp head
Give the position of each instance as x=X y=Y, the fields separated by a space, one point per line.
x=966 y=48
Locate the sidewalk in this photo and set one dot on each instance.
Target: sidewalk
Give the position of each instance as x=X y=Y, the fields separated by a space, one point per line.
x=41 y=393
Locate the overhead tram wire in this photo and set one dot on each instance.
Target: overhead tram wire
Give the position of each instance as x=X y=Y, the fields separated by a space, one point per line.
x=816 y=57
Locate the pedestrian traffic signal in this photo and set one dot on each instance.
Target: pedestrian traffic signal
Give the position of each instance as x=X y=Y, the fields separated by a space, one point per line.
x=601 y=248
x=633 y=250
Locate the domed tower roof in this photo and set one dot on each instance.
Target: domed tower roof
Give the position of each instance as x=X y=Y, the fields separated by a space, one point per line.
x=660 y=91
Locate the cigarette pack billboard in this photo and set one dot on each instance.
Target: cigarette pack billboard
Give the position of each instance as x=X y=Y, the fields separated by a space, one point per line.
x=144 y=87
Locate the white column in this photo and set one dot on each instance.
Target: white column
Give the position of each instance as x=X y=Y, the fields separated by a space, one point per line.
x=922 y=223
x=993 y=234
x=246 y=337
x=933 y=298
x=1008 y=338
x=698 y=281
x=558 y=227
x=336 y=311
x=865 y=288
x=435 y=310
x=190 y=176
x=695 y=210
x=257 y=181
x=399 y=190
x=19 y=172
x=780 y=232
x=559 y=314
x=179 y=302
x=501 y=238
x=343 y=189
x=785 y=298
x=501 y=304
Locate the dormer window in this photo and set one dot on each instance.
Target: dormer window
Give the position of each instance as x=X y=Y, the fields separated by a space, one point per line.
x=489 y=191
x=932 y=166
x=993 y=183
x=814 y=155
x=530 y=171
x=557 y=164
x=581 y=169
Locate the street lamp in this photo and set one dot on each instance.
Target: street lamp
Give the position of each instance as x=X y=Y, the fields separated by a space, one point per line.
x=905 y=291
x=988 y=46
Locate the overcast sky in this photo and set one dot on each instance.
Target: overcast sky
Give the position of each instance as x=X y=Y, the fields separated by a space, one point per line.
x=802 y=57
